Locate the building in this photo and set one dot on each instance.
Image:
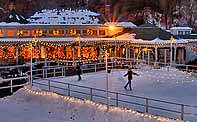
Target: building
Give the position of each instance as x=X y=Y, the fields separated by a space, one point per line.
x=77 y=36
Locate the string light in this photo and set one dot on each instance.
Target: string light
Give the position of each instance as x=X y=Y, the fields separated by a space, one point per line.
x=98 y=106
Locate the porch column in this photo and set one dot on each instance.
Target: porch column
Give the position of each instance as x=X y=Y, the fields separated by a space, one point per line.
x=45 y=55
x=73 y=55
x=165 y=56
x=129 y=53
x=182 y=56
x=16 y=55
x=142 y=54
x=134 y=53
x=115 y=55
x=148 y=57
x=175 y=49
x=126 y=52
x=156 y=54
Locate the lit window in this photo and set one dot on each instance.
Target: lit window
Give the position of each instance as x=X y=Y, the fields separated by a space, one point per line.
x=1 y=33
x=102 y=32
x=10 y=33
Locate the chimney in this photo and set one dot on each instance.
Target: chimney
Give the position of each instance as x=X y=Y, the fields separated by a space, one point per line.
x=107 y=8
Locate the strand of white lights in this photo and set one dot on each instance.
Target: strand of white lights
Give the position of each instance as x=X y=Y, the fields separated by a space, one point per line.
x=100 y=106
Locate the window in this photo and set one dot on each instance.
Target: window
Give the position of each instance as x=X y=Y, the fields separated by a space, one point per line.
x=38 y=32
x=101 y=32
x=78 y=31
x=26 y=33
x=10 y=33
x=85 y=33
x=94 y=32
x=1 y=33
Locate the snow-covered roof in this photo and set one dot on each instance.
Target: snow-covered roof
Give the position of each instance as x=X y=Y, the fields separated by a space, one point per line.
x=122 y=24
x=126 y=36
x=158 y=40
x=64 y=16
x=180 y=28
x=15 y=17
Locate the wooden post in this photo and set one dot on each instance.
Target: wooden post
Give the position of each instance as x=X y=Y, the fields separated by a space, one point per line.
x=146 y=105
x=182 y=112
x=91 y=97
x=49 y=85
x=117 y=99
x=68 y=89
x=11 y=87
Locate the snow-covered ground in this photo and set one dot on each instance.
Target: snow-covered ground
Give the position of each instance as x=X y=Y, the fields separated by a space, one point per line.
x=173 y=85
x=38 y=106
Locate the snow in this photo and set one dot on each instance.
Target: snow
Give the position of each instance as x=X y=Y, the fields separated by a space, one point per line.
x=158 y=40
x=23 y=106
x=64 y=16
x=10 y=24
x=122 y=24
x=126 y=36
x=173 y=85
x=10 y=16
x=180 y=28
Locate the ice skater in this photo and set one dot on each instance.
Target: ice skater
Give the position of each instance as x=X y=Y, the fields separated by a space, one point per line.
x=78 y=69
x=130 y=74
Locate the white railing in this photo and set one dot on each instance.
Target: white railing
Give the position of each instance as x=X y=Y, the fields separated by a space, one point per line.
x=12 y=85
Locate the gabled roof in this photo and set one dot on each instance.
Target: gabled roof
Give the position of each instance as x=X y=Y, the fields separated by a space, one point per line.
x=15 y=17
x=122 y=24
x=65 y=16
x=180 y=28
x=192 y=36
x=148 y=25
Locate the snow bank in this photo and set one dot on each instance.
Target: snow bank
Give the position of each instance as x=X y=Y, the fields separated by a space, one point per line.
x=36 y=106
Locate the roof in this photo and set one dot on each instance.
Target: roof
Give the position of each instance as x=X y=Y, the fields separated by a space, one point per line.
x=151 y=33
x=14 y=17
x=122 y=24
x=180 y=28
x=188 y=36
x=64 y=16
x=148 y=25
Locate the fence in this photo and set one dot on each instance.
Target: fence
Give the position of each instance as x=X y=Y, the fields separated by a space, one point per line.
x=144 y=104
x=12 y=85
x=141 y=104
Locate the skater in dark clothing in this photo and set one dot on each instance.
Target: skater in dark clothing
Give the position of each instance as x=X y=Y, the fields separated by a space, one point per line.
x=130 y=74
x=78 y=72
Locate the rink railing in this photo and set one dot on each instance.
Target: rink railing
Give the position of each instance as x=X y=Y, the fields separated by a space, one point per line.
x=117 y=98
x=56 y=71
x=13 y=83
x=61 y=71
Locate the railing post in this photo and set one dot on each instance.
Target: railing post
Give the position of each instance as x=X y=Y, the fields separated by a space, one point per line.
x=62 y=71
x=91 y=94
x=11 y=87
x=182 y=112
x=95 y=68
x=54 y=72
x=46 y=73
x=186 y=70
x=146 y=105
x=49 y=85
x=68 y=89
x=43 y=73
x=117 y=99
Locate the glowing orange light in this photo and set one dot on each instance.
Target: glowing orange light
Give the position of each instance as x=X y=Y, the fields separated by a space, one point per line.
x=111 y=27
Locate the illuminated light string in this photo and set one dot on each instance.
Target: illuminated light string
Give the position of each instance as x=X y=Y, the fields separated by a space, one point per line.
x=60 y=43
x=99 y=106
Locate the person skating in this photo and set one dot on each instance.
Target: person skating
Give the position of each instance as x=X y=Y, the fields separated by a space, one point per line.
x=130 y=74
x=78 y=72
